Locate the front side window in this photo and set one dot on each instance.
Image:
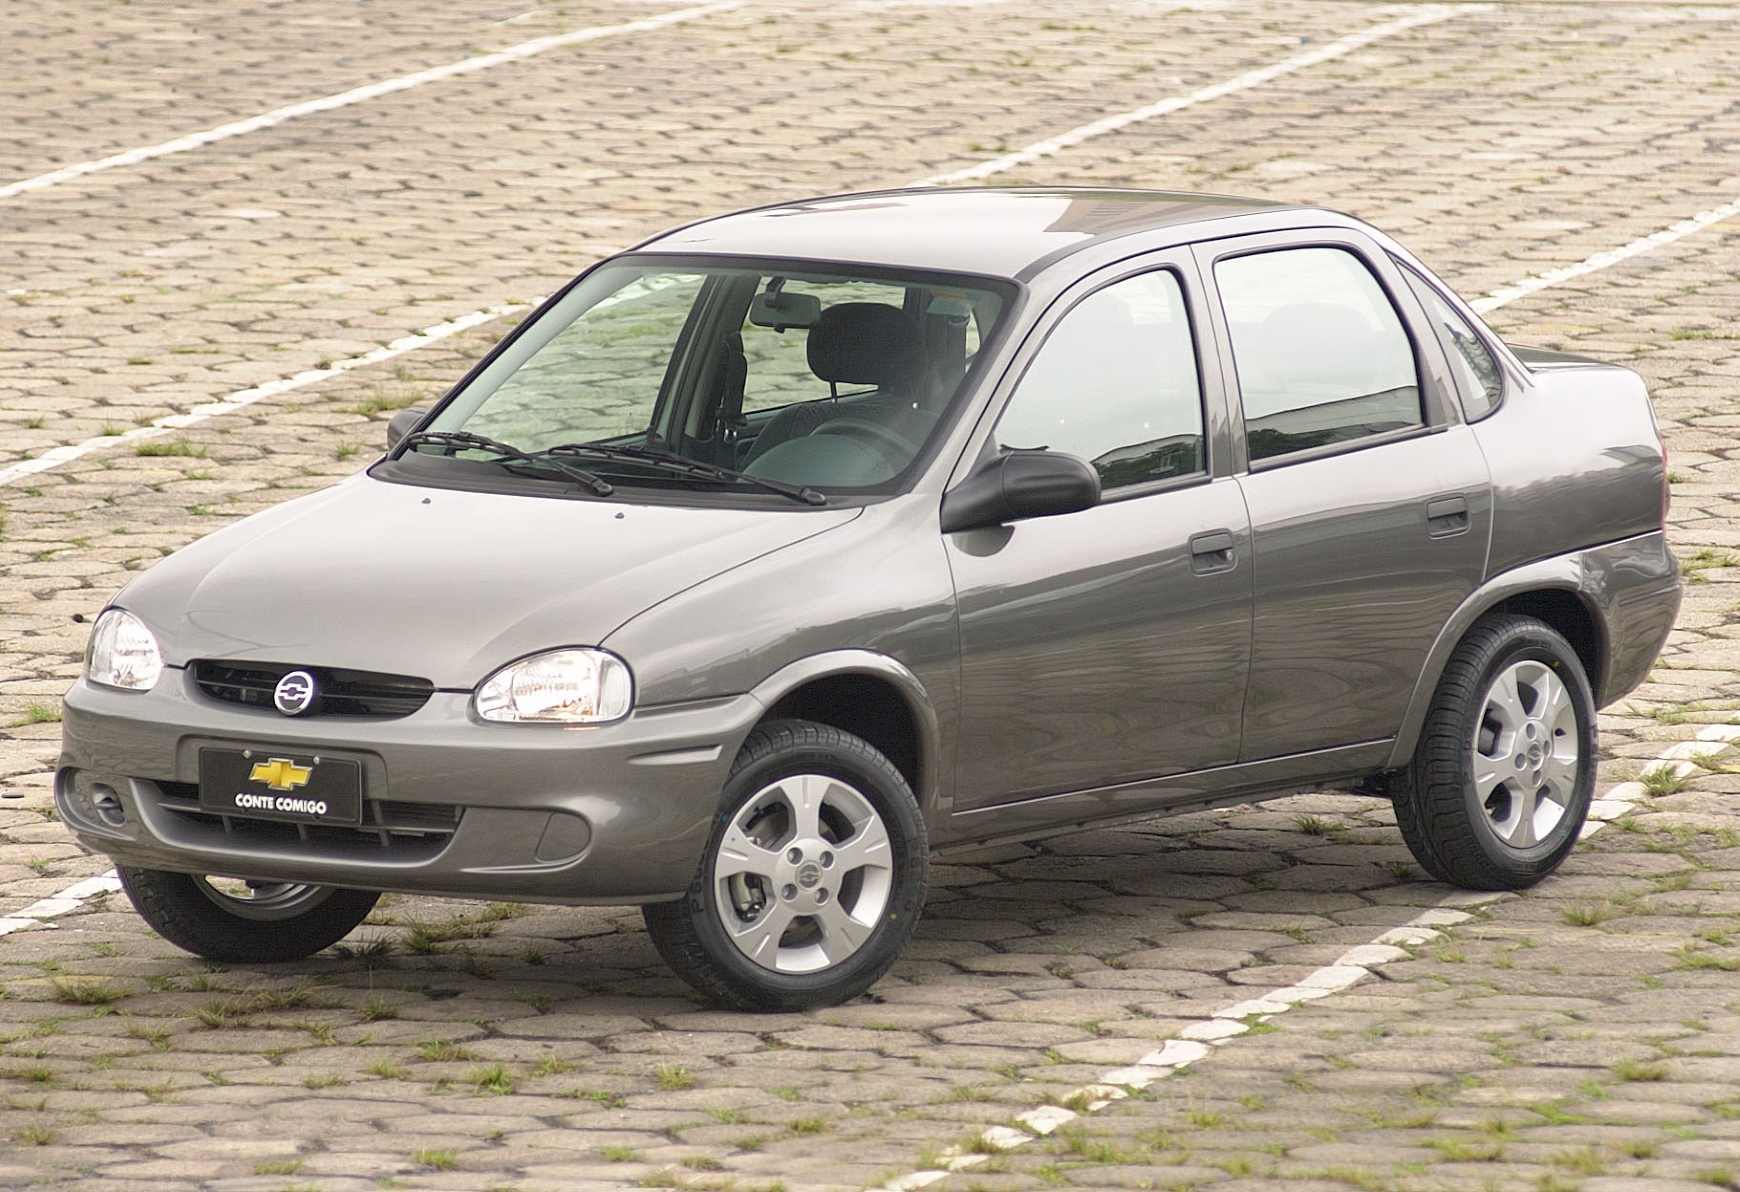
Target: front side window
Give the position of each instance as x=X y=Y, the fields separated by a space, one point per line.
x=1321 y=354
x=1116 y=383
x=696 y=377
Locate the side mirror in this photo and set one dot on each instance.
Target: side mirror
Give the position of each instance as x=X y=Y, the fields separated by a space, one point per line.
x=1020 y=485
x=403 y=423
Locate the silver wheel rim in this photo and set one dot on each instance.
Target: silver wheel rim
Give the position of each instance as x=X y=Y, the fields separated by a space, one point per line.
x=803 y=875
x=1525 y=754
x=263 y=902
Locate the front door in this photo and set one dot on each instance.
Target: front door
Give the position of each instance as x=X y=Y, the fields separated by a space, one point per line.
x=1108 y=645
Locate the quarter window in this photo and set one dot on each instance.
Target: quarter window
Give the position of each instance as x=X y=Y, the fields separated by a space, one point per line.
x=1321 y=353
x=1476 y=369
x=1116 y=383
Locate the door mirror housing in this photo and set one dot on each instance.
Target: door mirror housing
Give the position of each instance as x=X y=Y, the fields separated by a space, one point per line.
x=1020 y=485
x=403 y=423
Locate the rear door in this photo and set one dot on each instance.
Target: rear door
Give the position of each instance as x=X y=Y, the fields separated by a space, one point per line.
x=1369 y=499
x=1109 y=645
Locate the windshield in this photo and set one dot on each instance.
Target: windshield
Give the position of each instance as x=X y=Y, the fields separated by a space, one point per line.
x=801 y=377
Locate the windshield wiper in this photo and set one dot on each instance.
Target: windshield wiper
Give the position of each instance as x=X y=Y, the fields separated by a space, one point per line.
x=466 y=441
x=670 y=461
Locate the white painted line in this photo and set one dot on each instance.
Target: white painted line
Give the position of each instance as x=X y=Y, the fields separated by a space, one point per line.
x=1424 y=15
x=1198 y=1040
x=67 y=901
x=1695 y=750
x=1045 y=1119
x=1604 y=259
x=59 y=455
x=1212 y=1029
x=1409 y=937
x=223 y=132
x=160 y=427
x=1005 y=1137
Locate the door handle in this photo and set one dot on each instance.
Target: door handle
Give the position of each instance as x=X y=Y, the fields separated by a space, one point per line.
x=1212 y=552
x=1447 y=516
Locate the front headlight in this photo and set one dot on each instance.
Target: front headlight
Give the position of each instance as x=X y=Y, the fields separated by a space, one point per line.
x=573 y=686
x=123 y=653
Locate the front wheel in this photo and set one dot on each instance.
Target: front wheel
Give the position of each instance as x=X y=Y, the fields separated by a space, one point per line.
x=813 y=877
x=1500 y=783
x=244 y=922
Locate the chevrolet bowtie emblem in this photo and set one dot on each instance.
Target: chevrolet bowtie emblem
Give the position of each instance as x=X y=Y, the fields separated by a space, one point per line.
x=281 y=774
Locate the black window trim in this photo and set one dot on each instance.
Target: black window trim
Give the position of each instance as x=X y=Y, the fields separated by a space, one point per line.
x=1306 y=454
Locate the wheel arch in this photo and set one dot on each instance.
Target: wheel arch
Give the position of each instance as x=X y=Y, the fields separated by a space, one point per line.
x=871 y=696
x=1554 y=591
x=1569 y=613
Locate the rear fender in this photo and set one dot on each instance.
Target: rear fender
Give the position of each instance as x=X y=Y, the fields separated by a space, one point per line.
x=1630 y=588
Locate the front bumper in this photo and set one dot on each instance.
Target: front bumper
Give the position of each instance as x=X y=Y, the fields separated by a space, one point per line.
x=609 y=814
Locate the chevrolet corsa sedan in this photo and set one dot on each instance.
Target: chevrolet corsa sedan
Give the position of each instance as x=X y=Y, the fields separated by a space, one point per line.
x=790 y=546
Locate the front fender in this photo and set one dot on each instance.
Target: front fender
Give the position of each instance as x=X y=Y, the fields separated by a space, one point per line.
x=933 y=794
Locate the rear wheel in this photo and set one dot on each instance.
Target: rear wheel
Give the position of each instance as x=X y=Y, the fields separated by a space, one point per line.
x=1500 y=783
x=813 y=878
x=242 y=921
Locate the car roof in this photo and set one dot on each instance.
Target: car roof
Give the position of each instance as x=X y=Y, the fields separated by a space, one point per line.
x=998 y=231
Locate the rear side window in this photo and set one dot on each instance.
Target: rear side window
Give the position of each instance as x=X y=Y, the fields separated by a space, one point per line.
x=1321 y=354
x=1116 y=383
x=1477 y=372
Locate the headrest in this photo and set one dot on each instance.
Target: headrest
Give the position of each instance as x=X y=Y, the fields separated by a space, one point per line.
x=867 y=343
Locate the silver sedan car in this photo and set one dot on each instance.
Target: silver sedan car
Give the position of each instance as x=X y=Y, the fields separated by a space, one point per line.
x=773 y=555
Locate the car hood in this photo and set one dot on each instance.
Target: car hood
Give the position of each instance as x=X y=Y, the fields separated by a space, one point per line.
x=440 y=584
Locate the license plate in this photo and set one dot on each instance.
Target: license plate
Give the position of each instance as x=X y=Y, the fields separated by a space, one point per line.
x=275 y=784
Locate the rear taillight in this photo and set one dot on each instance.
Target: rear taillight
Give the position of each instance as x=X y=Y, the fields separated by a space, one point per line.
x=1666 y=493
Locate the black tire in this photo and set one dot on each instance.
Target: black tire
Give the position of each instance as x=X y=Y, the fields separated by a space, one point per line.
x=1500 y=781
x=261 y=923
x=781 y=871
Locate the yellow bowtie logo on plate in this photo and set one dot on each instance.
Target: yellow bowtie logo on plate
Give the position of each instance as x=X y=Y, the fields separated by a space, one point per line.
x=281 y=774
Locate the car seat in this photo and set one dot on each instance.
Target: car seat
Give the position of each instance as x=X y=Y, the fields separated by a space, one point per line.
x=854 y=343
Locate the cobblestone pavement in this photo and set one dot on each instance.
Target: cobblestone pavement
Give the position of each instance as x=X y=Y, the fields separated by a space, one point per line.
x=1584 y=1034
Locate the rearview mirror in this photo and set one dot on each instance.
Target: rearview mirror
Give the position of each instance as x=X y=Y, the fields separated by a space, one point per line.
x=781 y=310
x=402 y=424
x=1018 y=486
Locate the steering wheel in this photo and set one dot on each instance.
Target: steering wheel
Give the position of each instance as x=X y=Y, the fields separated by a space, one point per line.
x=885 y=436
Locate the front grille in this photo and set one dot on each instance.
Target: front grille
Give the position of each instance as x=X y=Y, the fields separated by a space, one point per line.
x=340 y=692
x=390 y=830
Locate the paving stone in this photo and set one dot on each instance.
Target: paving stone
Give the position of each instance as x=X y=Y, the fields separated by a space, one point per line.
x=1504 y=140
